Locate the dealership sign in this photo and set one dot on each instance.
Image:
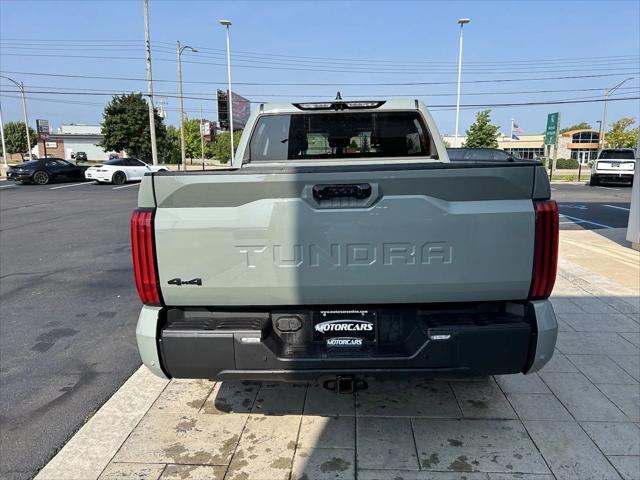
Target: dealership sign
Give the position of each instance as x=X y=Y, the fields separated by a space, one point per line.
x=42 y=126
x=551 y=132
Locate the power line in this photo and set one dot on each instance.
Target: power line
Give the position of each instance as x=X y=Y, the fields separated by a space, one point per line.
x=316 y=84
x=389 y=95
x=481 y=105
x=159 y=44
x=292 y=68
x=428 y=67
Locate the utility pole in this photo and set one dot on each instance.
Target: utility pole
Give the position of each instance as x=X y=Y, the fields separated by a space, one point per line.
x=462 y=23
x=4 y=146
x=26 y=120
x=152 y=117
x=202 y=136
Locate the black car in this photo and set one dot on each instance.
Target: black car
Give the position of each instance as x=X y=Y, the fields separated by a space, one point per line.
x=80 y=157
x=45 y=170
x=480 y=155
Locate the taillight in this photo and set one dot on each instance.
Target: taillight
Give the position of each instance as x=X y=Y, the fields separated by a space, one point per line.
x=545 y=261
x=144 y=258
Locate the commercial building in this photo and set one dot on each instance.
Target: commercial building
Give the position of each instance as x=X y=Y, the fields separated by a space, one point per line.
x=581 y=145
x=73 y=138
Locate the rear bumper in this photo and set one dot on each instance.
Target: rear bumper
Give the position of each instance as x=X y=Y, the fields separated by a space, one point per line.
x=97 y=176
x=201 y=343
x=19 y=177
x=609 y=175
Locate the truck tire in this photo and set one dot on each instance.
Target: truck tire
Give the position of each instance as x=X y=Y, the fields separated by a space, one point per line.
x=594 y=181
x=118 y=178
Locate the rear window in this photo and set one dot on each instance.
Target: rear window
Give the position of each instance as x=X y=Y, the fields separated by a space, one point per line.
x=339 y=135
x=617 y=154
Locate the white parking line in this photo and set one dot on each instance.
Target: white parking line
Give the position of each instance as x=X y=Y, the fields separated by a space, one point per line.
x=619 y=208
x=125 y=186
x=7 y=186
x=608 y=188
x=67 y=186
x=582 y=220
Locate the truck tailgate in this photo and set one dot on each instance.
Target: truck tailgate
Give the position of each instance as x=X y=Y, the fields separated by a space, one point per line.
x=260 y=236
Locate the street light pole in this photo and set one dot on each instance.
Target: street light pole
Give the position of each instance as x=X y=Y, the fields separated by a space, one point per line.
x=24 y=111
x=227 y=24
x=152 y=116
x=603 y=126
x=461 y=22
x=4 y=147
x=183 y=153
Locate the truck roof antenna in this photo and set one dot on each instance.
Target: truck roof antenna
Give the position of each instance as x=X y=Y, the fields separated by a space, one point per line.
x=338 y=96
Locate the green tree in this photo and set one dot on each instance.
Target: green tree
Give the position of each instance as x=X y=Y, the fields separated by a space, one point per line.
x=222 y=146
x=15 y=137
x=577 y=126
x=172 y=154
x=126 y=127
x=193 y=145
x=364 y=147
x=621 y=135
x=482 y=133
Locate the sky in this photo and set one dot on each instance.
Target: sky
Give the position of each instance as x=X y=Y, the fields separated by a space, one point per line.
x=364 y=49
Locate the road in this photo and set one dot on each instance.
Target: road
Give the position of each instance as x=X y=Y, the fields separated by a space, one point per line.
x=582 y=206
x=69 y=308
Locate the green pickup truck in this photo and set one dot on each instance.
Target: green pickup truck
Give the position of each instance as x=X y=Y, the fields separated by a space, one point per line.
x=342 y=243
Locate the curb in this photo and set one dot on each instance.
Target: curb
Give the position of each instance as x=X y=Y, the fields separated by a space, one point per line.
x=109 y=428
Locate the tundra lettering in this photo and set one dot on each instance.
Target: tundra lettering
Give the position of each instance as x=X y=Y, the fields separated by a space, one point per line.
x=336 y=255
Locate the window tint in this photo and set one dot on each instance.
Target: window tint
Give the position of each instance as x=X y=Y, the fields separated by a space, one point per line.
x=585 y=137
x=116 y=161
x=339 y=135
x=620 y=154
x=55 y=163
x=477 y=154
x=134 y=162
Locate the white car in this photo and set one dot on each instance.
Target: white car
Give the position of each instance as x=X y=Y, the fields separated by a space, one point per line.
x=120 y=170
x=613 y=164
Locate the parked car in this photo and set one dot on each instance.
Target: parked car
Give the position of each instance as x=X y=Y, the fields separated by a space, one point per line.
x=113 y=155
x=613 y=164
x=479 y=155
x=44 y=171
x=120 y=170
x=310 y=259
x=80 y=157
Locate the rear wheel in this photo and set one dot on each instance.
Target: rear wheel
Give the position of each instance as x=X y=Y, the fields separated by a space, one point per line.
x=594 y=181
x=119 y=178
x=41 y=177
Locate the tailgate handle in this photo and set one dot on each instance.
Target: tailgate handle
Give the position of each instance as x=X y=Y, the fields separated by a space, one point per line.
x=359 y=191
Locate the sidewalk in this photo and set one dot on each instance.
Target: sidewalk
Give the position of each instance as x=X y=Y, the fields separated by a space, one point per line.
x=576 y=419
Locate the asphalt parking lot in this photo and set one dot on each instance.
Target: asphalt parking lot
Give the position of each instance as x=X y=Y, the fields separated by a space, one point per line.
x=69 y=309
x=582 y=206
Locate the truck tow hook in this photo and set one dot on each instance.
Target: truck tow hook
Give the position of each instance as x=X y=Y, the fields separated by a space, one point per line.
x=345 y=385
